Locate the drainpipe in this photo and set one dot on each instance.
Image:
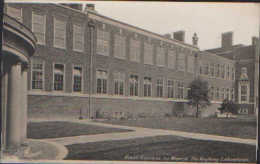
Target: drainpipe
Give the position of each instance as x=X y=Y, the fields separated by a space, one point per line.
x=91 y=26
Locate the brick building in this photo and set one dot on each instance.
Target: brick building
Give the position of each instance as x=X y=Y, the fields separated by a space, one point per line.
x=86 y=63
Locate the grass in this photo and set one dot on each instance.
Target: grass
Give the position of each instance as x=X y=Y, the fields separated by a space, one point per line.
x=56 y=129
x=224 y=127
x=163 y=148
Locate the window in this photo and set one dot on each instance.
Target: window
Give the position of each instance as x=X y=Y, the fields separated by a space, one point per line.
x=206 y=69
x=244 y=93
x=37 y=75
x=170 y=85
x=16 y=13
x=222 y=93
x=180 y=90
x=77 y=79
x=159 y=87
x=103 y=39
x=78 y=38
x=38 y=27
x=171 y=59
x=217 y=70
x=135 y=50
x=232 y=94
x=148 y=53
x=217 y=93
x=119 y=79
x=147 y=86
x=227 y=93
x=190 y=64
x=233 y=73
x=222 y=69
x=228 y=73
x=212 y=97
x=181 y=62
x=59 y=33
x=212 y=70
x=120 y=47
x=160 y=57
x=101 y=82
x=58 y=77
x=133 y=83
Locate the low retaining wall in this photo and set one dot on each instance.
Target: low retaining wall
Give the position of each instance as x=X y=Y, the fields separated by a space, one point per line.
x=43 y=106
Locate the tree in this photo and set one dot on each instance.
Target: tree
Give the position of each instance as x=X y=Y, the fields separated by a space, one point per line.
x=228 y=106
x=198 y=95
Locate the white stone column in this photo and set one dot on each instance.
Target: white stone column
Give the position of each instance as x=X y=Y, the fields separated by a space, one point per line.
x=13 y=137
x=24 y=105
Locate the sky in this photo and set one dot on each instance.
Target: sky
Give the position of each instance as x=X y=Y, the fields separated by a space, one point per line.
x=208 y=20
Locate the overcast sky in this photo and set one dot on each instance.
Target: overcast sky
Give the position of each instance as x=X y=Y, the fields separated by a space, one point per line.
x=208 y=20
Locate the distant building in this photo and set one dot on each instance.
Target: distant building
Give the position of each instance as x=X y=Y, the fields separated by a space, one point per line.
x=91 y=64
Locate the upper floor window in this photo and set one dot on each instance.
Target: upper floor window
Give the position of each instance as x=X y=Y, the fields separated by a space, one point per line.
x=232 y=94
x=77 y=79
x=78 y=38
x=223 y=71
x=171 y=59
x=101 y=76
x=58 y=77
x=133 y=83
x=120 y=47
x=217 y=70
x=160 y=57
x=170 y=88
x=206 y=69
x=135 y=50
x=222 y=93
x=190 y=64
x=148 y=53
x=159 y=87
x=38 y=26
x=16 y=13
x=233 y=73
x=59 y=33
x=147 y=86
x=119 y=79
x=181 y=62
x=228 y=73
x=212 y=70
x=103 y=39
x=212 y=97
x=37 y=74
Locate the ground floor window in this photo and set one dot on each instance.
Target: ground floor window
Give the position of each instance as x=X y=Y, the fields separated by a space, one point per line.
x=244 y=93
x=37 y=75
x=159 y=87
x=101 y=76
x=147 y=86
x=58 y=77
x=180 y=94
x=170 y=88
x=77 y=79
x=217 y=94
x=119 y=80
x=133 y=83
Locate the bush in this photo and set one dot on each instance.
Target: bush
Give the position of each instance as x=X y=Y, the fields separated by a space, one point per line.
x=228 y=106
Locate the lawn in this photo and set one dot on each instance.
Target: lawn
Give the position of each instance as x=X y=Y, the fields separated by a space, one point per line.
x=56 y=129
x=224 y=127
x=163 y=148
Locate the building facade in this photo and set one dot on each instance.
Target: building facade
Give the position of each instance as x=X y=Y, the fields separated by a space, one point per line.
x=91 y=65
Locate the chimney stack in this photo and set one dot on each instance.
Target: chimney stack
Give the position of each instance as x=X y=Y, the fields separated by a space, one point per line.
x=179 y=35
x=168 y=36
x=227 y=40
x=90 y=7
x=195 y=40
x=255 y=41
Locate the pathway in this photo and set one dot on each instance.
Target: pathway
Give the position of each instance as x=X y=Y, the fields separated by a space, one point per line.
x=140 y=132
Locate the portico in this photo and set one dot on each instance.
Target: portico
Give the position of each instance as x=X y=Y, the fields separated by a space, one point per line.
x=18 y=45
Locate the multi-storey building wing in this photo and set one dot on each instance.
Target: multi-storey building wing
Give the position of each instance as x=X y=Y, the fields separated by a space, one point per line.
x=89 y=64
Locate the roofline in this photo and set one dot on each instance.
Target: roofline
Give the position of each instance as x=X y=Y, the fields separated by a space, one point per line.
x=158 y=35
x=215 y=55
